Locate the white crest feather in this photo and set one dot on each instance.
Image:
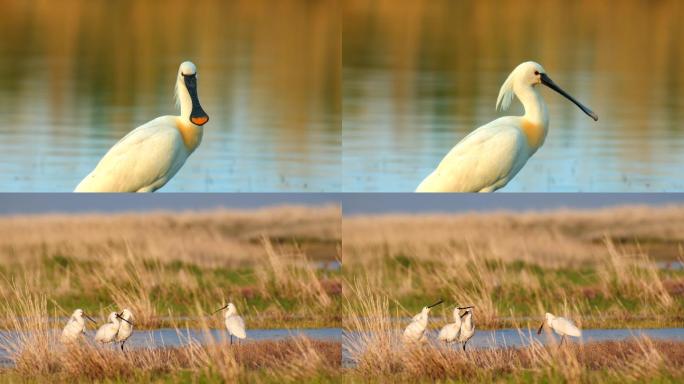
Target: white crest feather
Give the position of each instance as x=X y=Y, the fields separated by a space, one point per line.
x=506 y=94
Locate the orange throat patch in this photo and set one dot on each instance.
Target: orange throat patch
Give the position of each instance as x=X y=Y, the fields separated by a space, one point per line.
x=191 y=134
x=534 y=133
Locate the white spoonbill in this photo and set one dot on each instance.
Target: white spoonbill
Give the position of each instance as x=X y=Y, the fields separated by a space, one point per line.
x=561 y=326
x=107 y=333
x=415 y=331
x=467 y=327
x=150 y=155
x=234 y=323
x=450 y=332
x=490 y=156
x=125 y=327
x=74 y=327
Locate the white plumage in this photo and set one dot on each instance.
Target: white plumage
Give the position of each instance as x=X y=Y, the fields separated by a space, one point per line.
x=490 y=156
x=107 y=332
x=561 y=326
x=125 y=327
x=467 y=328
x=415 y=331
x=150 y=155
x=234 y=323
x=74 y=327
x=450 y=332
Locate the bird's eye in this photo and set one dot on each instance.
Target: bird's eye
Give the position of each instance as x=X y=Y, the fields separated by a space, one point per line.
x=536 y=72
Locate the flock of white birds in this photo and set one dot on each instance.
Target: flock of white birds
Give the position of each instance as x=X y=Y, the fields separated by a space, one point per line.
x=119 y=327
x=117 y=330
x=463 y=328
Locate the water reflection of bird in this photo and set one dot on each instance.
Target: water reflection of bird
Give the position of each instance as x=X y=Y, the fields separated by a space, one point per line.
x=561 y=326
x=490 y=156
x=415 y=331
x=150 y=155
x=234 y=323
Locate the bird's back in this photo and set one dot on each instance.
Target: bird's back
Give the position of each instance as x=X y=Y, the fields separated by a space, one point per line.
x=414 y=331
x=483 y=161
x=71 y=330
x=564 y=326
x=144 y=160
x=106 y=333
x=236 y=326
x=449 y=332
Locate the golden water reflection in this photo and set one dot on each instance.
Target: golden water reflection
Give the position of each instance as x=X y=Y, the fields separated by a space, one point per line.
x=78 y=74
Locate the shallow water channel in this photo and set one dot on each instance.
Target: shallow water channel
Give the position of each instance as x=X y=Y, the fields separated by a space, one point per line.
x=169 y=337
x=506 y=338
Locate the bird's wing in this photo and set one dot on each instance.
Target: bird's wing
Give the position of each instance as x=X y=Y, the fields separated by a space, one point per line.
x=145 y=156
x=236 y=326
x=566 y=327
x=486 y=160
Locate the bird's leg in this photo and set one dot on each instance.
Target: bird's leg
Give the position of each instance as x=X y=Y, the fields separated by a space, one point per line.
x=231 y=339
x=562 y=339
x=464 y=345
x=122 y=345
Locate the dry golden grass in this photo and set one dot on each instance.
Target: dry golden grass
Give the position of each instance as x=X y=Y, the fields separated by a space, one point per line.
x=37 y=354
x=227 y=238
x=555 y=238
x=161 y=264
x=380 y=356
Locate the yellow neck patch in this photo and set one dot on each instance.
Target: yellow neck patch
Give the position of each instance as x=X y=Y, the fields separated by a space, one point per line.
x=534 y=133
x=191 y=134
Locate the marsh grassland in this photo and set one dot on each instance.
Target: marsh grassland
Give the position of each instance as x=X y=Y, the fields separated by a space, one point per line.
x=611 y=268
x=280 y=266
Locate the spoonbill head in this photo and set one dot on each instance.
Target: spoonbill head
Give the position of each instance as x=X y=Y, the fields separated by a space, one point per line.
x=186 y=94
x=560 y=325
x=490 y=156
x=527 y=76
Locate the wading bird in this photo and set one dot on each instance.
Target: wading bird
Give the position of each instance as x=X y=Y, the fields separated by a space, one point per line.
x=125 y=327
x=74 y=327
x=467 y=327
x=450 y=332
x=234 y=323
x=415 y=331
x=561 y=326
x=150 y=155
x=107 y=333
x=490 y=156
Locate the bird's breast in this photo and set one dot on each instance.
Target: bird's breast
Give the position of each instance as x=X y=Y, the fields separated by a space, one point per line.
x=535 y=133
x=191 y=134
